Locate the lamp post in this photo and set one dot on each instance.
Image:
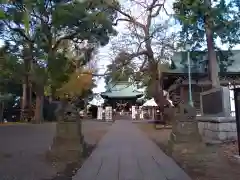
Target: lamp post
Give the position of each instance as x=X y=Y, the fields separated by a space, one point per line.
x=189 y=74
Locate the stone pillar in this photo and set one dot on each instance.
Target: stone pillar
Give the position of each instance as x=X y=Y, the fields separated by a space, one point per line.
x=185 y=131
x=67 y=145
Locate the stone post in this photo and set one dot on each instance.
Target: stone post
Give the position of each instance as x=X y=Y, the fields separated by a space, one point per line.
x=67 y=145
x=184 y=129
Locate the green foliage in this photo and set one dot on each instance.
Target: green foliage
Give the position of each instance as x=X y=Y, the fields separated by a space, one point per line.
x=10 y=71
x=46 y=25
x=223 y=16
x=118 y=71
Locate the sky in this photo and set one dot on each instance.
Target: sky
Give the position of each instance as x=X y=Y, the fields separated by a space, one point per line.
x=104 y=58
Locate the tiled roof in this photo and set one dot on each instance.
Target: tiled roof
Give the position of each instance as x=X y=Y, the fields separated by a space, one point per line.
x=121 y=90
x=177 y=59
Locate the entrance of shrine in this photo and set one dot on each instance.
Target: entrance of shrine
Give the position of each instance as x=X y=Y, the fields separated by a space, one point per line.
x=121 y=96
x=122 y=110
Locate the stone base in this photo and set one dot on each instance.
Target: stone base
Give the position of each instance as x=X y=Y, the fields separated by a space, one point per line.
x=68 y=142
x=182 y=148
x=185 y=132
x=215 y=130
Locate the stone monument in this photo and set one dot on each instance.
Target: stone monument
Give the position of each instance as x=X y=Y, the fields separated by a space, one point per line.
x=184 y=128
x=68 y=142
x=216 y=102
x=215 y=123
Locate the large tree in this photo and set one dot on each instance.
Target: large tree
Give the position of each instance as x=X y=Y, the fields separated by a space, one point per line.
x=42 y=26
x=10 y=70
x=204 y=22
x=147 y=40
x=120 y=70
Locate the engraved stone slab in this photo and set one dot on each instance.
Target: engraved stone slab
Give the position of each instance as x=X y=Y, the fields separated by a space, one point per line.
x=216 y=102
x=185 y=125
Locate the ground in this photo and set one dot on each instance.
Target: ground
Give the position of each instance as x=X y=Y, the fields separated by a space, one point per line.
x=126 y=153
x=211 y=163
x=23 y=147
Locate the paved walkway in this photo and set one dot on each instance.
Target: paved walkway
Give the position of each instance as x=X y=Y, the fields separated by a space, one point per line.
x=125 y=153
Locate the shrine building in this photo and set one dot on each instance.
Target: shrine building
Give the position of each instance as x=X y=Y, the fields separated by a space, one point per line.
x=175 y=80
x=121 y=95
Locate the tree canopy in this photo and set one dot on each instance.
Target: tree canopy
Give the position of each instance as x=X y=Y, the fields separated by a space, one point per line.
x=204 y=22
x=43 y=33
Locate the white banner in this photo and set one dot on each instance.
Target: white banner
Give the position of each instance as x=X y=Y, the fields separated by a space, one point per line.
x=108 y=113
x=141 y=112
x=134 y=112
x=100 y=113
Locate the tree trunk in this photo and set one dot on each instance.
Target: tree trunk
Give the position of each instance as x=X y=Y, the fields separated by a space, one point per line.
x=1 y=111
x=30 y=97
x=38 y=114
x=212 y=58
x=25 y=102
x=52 y=94
x=26 y=106
x=156 y=89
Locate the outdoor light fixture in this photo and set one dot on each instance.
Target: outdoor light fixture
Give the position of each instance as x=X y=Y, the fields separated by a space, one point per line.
x=188 y=48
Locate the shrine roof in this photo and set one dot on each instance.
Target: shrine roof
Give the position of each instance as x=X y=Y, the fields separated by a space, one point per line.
x=200 y=62
x=121 y=90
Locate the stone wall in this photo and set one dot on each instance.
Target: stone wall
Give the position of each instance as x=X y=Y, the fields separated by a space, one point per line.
x=217 y=129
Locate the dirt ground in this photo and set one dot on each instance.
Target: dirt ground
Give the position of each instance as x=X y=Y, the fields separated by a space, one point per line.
x=23 y=148
x=214 y=162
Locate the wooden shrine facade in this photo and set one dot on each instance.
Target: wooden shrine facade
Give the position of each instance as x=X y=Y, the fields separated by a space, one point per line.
x=178 y=85
x=121 y=96
x=176 y=82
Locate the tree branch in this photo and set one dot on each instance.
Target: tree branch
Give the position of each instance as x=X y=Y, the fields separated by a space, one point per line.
x=19 y=31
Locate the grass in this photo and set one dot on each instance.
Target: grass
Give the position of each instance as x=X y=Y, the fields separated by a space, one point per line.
x=12 y=123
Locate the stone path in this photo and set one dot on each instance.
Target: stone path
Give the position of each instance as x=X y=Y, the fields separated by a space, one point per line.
x=125 y=153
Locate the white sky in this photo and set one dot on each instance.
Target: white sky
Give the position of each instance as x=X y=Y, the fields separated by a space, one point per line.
x=104 y=58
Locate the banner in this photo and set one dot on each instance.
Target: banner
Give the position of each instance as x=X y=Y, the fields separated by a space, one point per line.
x=100 y=113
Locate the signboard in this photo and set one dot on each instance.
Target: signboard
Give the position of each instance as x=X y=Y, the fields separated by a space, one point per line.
x=215 y=97
x=237 y=112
